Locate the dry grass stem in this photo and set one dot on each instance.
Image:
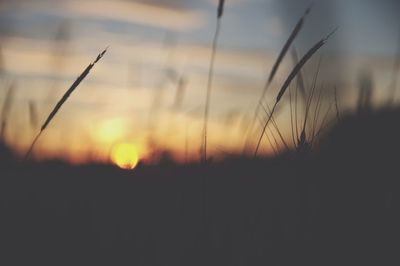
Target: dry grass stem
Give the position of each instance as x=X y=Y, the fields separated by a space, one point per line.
x=289 y=79
x=66 y=95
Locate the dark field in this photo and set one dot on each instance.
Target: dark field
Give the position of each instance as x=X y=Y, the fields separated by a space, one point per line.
x=337 y=205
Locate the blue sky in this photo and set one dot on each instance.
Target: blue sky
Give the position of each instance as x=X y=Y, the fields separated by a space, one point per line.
x=147 y=37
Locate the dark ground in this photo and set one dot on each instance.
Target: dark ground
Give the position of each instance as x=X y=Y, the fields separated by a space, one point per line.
x=339 y=205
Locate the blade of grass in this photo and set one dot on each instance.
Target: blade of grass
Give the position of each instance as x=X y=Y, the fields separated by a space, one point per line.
x=274 y=149
x=210 y=78
x=300 y=79
x=33 y=118
x=310 y=99
x=267 y=110
x=66 y=95
x=277 y=63
x=1 y=62
x=220 y=10
x=322 y=127
x=337 y=105
x=5 y=112
x=291 y=115
x=289 y=79
x=295 y=112
x=317 y=111
x=394 y=79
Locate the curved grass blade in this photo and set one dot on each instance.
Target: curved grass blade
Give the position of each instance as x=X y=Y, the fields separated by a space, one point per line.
x=220 y=10
x=301 y=63
x=70 y=90
x=277 y=63
x=210 y=78
x=289 y=79
x=288 y=43
x=66 y=95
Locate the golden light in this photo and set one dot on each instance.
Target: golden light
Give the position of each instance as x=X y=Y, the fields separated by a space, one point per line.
x=108 y=131
x=125 y=155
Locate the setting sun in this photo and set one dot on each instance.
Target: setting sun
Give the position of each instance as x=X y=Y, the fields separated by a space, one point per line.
x=125 y=155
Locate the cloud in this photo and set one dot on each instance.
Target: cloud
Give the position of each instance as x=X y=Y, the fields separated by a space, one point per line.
x=172 y=14
x=165 y=3
x=179 y=19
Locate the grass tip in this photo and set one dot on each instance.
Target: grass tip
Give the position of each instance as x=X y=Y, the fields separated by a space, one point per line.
x=331 y=34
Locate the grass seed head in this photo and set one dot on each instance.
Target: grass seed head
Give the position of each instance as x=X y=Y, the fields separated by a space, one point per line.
x=220 y=8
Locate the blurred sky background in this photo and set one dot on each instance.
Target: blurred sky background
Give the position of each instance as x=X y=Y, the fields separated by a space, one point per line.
x=149 y=89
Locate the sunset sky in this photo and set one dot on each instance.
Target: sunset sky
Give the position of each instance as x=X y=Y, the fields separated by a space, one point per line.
x=160 y=47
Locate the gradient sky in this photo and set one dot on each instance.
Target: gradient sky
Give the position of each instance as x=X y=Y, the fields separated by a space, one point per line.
x=131 y=95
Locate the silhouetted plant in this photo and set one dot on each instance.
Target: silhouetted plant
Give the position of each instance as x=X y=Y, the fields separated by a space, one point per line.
x=275 y=67
x=289 y=79
x=62 y=101
x=5 y=112
x=220 y=12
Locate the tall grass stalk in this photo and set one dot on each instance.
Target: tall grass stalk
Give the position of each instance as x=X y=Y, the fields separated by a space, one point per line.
x=323 y=124
x=394 y=79
x=5 y=112
x=66 y=95
x=311 y=97
x=292 y=127
x=33 y=117
x=272 y=145
x=302 y=144
x=267 y=111
x=220 y=12
x=317 y=110
x=337 y=105
x=289 y=79
x=1 y=63
x=300 y=79
x=275 y=68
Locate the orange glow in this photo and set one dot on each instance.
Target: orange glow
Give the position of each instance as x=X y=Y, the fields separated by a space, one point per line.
x=109 y=131
x=125 y=155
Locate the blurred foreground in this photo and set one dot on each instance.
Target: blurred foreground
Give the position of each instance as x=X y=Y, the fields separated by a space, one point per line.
x=338 y=205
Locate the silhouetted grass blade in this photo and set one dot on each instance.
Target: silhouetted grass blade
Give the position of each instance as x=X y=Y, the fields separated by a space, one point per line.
x=289 y=79
x=301 y=63
x=287 y=45
x=220 y=8
x=33 y=117
x=66 y=95
x=5 y=112
x=71 y=89
x=210 y=79
x=277 y=63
